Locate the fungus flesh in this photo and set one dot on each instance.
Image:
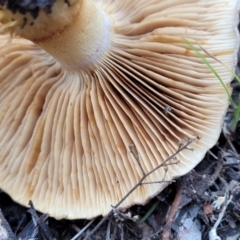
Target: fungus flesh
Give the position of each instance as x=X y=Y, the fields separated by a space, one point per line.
x=81 y=81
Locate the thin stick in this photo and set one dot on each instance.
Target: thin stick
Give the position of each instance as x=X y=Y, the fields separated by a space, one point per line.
x=136 y=157
x=174 y=210
x=82 y=231
x=140 y=183
x=213 y=232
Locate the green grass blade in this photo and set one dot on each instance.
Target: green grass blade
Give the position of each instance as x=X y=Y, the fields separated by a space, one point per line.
x=230 y=70
x=237 y=113
x=211 y=68
x=149 y=212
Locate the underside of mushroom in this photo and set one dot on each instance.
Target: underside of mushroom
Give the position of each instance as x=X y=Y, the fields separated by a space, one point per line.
x=76 y=94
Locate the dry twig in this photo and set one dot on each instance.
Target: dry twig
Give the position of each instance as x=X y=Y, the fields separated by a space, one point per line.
x=174 y=210
x=213 y=232
x=82 y=231
x=141 y=181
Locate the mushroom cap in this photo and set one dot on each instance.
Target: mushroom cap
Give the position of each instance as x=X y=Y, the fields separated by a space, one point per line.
x=65 y=135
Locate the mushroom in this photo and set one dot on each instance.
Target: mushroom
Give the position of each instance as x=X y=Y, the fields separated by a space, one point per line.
x=83 y=80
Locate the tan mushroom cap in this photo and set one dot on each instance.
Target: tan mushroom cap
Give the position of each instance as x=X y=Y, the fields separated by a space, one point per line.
x=65 y=134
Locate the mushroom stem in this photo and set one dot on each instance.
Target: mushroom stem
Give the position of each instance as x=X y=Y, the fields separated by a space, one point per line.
x=76 y=33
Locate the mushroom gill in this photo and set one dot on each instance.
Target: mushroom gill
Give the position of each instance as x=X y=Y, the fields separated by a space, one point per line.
x=81 y=81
